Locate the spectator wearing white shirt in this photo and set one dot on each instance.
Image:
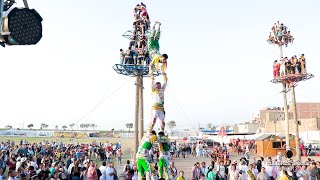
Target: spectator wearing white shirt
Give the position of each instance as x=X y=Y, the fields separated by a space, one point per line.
x=34 y=163
x=86 y=160
x=71 y=166
x=108 y=156
x=103 y=170
x=18 y=163
x=233 y=173
x=270 y=170
x=243 y=170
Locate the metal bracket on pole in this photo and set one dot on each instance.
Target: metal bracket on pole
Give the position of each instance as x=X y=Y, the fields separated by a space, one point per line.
x=25 y=2
x=287 y=90
x=294 y=85
x=139 y=84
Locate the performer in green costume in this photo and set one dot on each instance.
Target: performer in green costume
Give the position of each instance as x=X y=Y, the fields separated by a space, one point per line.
x=143 y=157
x=164 y=158
x=154 y=51
x=153 y=40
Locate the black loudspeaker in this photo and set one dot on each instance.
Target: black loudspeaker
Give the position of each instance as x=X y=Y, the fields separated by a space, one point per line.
x=289 y=154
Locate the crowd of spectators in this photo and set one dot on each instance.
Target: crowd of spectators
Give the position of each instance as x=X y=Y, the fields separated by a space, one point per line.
x=58 y=160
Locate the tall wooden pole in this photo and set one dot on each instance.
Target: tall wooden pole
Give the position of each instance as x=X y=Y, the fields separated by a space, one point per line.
x=295 y=118
x=136 y=118
x=141 y=109
x=285 y=107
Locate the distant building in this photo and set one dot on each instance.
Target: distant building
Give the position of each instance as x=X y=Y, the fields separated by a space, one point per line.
x=247 y=128
x=272 y=119
x=307 y=110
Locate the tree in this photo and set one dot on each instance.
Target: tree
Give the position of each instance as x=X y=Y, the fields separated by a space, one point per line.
x=171 y=124
x=30 y=126
x=209 y=126
x=129 y=126
x=8 y=127
x=43 y=126
x=57 y=127
x=85 y=125
x=64 y=127
x=71 y=126
x=93 y=126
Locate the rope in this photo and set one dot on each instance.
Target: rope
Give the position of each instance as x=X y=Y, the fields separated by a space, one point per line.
x=102 y=100
x=174 y=95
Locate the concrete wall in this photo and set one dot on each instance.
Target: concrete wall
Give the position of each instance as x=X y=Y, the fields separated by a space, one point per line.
x=312 y=124
x=307 y=110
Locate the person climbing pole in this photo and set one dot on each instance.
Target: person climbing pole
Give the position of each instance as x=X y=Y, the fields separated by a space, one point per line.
x=158 y=102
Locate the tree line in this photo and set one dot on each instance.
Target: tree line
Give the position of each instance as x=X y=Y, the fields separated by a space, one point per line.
x=86 y=126
x=71 y=126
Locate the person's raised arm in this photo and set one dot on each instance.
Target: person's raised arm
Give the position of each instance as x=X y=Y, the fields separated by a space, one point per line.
x=165 y=79
x=152 y=83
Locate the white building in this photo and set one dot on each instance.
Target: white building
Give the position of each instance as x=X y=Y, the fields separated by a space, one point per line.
x=247 y=128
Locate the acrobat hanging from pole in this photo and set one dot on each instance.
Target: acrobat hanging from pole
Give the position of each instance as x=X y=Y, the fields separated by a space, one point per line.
x=154 y=51
x=158 y=103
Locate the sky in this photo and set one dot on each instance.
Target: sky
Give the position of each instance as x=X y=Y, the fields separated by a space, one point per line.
x=219 y=66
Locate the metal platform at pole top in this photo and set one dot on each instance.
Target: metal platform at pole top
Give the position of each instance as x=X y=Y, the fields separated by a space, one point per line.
x=292 y=78
x=133 y=70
